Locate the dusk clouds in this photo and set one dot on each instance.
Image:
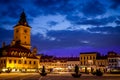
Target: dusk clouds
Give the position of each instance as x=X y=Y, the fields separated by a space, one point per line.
x=62 y=24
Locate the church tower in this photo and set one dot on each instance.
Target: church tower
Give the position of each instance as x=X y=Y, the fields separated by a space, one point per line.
x=22 y=32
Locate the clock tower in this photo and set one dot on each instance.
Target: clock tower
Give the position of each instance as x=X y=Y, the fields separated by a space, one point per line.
x=22 y=32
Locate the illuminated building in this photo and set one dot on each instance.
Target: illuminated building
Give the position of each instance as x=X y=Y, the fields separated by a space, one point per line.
x=17 y=56
x=113 y=60
x=22 y=32
x=59 y=64
x=92 y=60
x=87 y=60
x=102 y=63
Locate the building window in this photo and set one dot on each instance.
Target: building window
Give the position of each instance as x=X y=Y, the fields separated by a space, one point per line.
x=34 y=62
x=25 y=37
x=25 y=62
x=84 y=62
x=25 y=31
x=87 y=57
x=29 y=62
x=19 y=62
x=81 y=63
x=90 y=57
x=2 y=62
x=93 y=57
x=14 y=61
x=10 y=61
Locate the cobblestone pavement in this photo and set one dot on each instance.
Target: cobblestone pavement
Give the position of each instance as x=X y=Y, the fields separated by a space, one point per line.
x=62 y=76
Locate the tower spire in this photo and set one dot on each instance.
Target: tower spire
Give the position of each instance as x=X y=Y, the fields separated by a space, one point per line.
x=22 y=32
x=22 y=20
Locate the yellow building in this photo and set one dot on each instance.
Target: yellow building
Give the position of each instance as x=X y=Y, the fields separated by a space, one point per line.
x=88 y=58
x=92 y=61
x=17 y=56
x=87 y=61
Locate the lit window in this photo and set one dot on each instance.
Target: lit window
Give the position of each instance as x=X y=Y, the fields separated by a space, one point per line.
x=19 y=62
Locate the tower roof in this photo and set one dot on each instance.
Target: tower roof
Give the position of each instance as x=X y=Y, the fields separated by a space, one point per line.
x=22 y=20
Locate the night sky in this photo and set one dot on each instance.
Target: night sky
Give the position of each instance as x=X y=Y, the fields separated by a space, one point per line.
x=65 y=27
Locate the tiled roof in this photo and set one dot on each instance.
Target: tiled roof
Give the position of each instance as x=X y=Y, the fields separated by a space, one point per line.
x=21 y=51
x=55 y=59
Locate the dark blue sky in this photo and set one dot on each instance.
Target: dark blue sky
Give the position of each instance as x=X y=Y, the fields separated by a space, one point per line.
x=65 y=27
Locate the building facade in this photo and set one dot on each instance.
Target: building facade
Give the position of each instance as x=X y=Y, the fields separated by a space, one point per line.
x=113 y=60
x=90 y=61
x=59 y=64
x=87 y=61
x=17 y=56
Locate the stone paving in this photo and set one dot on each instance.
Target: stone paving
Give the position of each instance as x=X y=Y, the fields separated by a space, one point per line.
x=61 y=76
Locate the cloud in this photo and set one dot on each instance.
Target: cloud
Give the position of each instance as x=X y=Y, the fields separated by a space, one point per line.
x=95 y=21
x=64 y=23
x=67 y=38
x=43 y=24
x=5 y=36
x=52 y=23
x=93 y=8
x=107 y=30
x=57 y=6
x=115 y=4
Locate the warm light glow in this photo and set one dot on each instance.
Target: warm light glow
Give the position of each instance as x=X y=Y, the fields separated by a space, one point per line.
x=4 y=70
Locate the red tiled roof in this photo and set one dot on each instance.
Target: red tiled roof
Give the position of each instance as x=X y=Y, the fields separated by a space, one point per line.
x=16 y=48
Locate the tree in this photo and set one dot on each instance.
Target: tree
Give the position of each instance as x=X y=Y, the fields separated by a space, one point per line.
x=43 y=72
x=76 y=74
x=76 y=69
x=98 y=72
